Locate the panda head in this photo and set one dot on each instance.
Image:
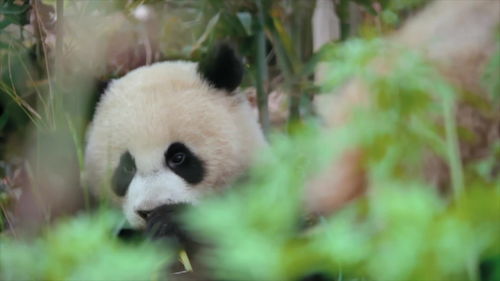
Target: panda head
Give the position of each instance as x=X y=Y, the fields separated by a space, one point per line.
x=170 y=133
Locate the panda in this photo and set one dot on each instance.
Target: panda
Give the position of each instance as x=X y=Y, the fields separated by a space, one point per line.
x=168 y=134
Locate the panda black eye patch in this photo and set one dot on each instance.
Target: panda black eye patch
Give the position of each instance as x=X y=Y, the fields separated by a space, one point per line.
x=184 y=163
x=123 y=174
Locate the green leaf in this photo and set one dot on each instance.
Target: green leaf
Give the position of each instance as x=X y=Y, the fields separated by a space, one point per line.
x=210 y=26
x=282 y=37
x=3 y=119
x=11 y=13
x=319 y=56
x=246 y=21
x=6 y=22
x=63 y=252
x=390 y=17
x=492 y=71
x=3 y=45
x=9 y=8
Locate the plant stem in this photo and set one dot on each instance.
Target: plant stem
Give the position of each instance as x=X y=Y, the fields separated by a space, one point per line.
x=287 y=68
x=261 y=72
x=453 y=151
x=59 y=46
x=40 y=35
x=79 y=154
x=343 y=14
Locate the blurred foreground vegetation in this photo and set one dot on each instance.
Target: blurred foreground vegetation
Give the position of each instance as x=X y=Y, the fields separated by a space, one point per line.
x=52 y=72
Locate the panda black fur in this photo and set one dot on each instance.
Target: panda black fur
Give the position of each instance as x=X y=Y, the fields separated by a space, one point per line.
x=170 y=133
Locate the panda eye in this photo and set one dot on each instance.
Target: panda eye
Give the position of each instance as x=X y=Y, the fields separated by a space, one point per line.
x=129 y=169
x=128 y=165
x=177 y=159
x=183 y=162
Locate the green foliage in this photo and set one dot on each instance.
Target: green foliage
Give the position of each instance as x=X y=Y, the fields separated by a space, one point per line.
x=490 y=77
x=16 y=71
x=404 y=230
x=405 y=101
x=398 y=5
x=83 y=248
x=252 y=225
x=13 y=13
x=393 y=8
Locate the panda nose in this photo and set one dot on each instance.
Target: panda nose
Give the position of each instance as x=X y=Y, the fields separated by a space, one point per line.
x=144 y=214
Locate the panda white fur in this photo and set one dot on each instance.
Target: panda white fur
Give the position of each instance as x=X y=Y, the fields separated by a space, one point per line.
x=170 y=133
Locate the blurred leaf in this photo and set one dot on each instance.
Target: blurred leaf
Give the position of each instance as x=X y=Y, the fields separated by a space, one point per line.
x=246 y=21
x=398 y=5
x=12 y=13
x=492 y=72
x=319 y=56
x=82 y=248
x=210 y=26
x=9 y=7
x=402 y=230
x=283 y=44
x=390 y=17
x=3 y=119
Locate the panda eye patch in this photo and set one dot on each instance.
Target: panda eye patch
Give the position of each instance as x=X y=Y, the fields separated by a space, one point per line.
x=123 y=174
x=183 y=162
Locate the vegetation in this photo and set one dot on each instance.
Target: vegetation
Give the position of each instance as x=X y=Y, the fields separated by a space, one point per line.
x=403 y=231
x=55 y=55
x=81 y=248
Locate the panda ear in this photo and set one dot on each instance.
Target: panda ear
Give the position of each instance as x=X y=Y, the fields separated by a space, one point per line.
x=222 y=67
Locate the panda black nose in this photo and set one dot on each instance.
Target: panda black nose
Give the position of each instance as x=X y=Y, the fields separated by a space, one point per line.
x=144 y=214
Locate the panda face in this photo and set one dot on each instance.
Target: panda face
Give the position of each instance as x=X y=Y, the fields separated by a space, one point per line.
x=166 y=134
x=182 y=170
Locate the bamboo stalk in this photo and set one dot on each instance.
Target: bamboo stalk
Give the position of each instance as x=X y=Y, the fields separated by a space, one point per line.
x=343 y=14
x=287 y=69
x=59 y=43
x=261 y=72
x=453 y=151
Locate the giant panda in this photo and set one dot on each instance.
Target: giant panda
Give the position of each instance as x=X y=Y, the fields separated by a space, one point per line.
x=168 y=134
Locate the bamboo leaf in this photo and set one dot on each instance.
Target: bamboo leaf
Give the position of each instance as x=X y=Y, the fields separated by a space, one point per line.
x=3 y=119
x=286 y=44
x=246 y=21
x=210 y=26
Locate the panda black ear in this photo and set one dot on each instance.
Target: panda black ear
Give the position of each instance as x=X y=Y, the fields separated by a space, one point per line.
x=222 y=67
